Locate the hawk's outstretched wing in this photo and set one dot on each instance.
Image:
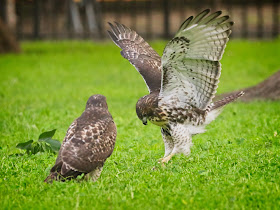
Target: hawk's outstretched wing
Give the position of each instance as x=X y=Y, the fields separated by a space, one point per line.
x=139 y=53
x=190 y=61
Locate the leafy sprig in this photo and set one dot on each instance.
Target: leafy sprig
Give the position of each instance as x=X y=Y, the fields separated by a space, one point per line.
x=45 y=143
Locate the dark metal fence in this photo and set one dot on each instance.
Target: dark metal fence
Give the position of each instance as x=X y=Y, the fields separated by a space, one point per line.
x=87 y=19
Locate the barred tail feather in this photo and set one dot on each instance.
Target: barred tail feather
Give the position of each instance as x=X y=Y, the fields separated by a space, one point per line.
x=226 y=100
x=218 y=106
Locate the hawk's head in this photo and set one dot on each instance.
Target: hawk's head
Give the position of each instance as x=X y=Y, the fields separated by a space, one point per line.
x=141 y=110
x=97 y=101
x=141 y=115
x=146 y=105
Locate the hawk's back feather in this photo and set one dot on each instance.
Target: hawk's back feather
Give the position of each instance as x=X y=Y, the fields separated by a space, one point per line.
x=89 y=141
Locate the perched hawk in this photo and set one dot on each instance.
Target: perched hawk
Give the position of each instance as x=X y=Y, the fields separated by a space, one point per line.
x=89 y=141
x=183 y=82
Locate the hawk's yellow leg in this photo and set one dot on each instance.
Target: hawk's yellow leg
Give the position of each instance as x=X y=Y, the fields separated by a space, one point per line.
x=166 y=159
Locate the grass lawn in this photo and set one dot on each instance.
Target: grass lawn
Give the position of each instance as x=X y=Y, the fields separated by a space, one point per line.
x=236 y=164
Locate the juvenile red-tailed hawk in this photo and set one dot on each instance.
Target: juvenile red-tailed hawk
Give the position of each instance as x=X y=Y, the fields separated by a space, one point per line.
x=89 y=141
x=183 y=82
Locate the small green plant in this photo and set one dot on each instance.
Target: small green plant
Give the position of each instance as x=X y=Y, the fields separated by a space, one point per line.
x=45 y=143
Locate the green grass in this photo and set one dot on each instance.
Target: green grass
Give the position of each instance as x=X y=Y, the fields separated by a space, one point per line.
x=235 y=164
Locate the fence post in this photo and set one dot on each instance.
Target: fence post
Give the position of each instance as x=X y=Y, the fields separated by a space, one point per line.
x=275 y=20
x=68 y=19
x=3 y=8
x=148 y=19
x=76 y=19
x=36 y=19
x=91 y=16
x=53 y=18
x=230 y=10
x=133 y=14
x=213 y=5
x=260 y=20
x=118 y=14
x=244 y=19
x=19 y=20
x=166 y=18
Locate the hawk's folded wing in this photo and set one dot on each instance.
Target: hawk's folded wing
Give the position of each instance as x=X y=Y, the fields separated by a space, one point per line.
x=139 y=53
x=190 y=61
x=89 y=146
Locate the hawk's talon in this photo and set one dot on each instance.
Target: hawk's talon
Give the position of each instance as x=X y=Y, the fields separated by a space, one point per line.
x=165 y=159
x=159 y=160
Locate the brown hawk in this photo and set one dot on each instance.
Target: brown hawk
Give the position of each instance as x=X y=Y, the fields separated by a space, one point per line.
x=183 y=82
x=89 y=141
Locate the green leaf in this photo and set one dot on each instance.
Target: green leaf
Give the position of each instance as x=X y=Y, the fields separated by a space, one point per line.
x=46 y=147
x=54 y=144
x=47 y=135
x=25 y=145
x=35 y=148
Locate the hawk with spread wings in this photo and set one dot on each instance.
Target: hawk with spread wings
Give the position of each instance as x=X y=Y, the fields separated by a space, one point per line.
x=183 y=82
x=89 y=141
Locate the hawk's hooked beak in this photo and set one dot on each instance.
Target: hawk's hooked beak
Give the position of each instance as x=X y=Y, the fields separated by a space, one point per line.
x=144 y=121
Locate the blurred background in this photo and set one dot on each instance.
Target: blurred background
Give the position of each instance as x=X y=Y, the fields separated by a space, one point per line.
x=153 y=19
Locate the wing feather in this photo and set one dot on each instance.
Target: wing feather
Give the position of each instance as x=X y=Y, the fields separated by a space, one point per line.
x=89 y=141
x=88 y=148
x=190 y=61
x=139 y=53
